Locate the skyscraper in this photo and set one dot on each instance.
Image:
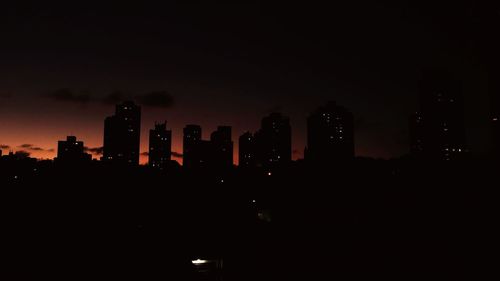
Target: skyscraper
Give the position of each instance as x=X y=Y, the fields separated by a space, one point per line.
x=274 y=141
x=330 y=135
x=246 y=151
x=442 y=117
x=222 y=146
x=160 y=146
x=122 y=133
x=72 y=151
x=191 y=138
x=416 y=134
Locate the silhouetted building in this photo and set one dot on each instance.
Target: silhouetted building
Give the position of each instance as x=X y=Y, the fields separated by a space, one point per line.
x=495 y=125
x=330 y=135
x=122 y=133
x=247 y=151
x=191 y=139
x=72 y=151
x=222 y=145
x=0 y=153
x=216 y=153
x=274 y=141
x=442 y=117
x=160 y=146
x=416 y=134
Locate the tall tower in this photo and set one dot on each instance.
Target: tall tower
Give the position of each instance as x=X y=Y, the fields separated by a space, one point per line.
x=442 y=117
x=246 y=151
x=416 y=134
x=274 y=141
x=222 y=145
x=330 y=135
x=122 y=133
x=71 y=150
x=191 y=139
x=160 y=146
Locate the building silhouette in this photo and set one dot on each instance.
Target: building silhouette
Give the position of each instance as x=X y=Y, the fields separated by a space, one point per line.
x=330 y=135
x=191 y=140
x=72 y=151
x=160 y=146
x=274 y=141
x=215 y=153
x=495 y=126
x=416 y=135
x=222 y=146
x=247 y=151
x=442 y=128
x=122 y=133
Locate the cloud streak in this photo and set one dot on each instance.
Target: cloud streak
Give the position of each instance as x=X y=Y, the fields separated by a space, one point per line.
x=159 y=99
x=94 y=150
x=176 y=154
x=32 y=147
x=154 y=99
x=68 y=95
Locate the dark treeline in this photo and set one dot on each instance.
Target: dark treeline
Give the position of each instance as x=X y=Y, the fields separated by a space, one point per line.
x=396 y=219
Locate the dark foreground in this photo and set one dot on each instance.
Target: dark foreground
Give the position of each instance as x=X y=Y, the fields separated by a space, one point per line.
x=369 y=219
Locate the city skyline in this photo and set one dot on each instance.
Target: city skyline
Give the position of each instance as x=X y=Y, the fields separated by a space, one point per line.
x=63 y=68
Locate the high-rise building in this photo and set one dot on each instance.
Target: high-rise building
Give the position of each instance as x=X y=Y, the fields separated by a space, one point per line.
x=442 y=117
x=495 y=123
x=246 y=152
x=191 y=139
x=222 y=145
x=160 y=146
x=330 y=135
x=416 y=134
x=72 y=151
x=274 y=141
x=122 y=133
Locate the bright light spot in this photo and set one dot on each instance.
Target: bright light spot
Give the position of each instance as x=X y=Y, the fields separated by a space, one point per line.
x=198 y=261
x=269 y=173
x=253 y=201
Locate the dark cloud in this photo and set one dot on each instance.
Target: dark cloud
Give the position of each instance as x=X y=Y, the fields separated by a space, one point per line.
x=145 y=154
x=94 y=150
x=26 y=145
x=32 y=147
x=162 y=99
x=275 y=108
x=68 y=95
x=22 y=154
x=113 y=98
x=177 y=154
x=4 y=146
x=362 y=124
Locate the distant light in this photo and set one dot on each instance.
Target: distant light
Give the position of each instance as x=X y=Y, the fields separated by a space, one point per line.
x=198 y=261
x=495 y=119
x=269 y=173
x=222 y=181
x=253 y=201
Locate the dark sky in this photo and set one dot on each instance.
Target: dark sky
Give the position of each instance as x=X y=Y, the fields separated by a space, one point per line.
x=62 y=67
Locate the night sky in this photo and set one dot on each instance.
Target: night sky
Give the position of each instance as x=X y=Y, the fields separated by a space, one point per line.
x=62 y=68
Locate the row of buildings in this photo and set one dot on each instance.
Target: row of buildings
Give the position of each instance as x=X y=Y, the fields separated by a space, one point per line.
x=437 y=132
x=330 y=138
